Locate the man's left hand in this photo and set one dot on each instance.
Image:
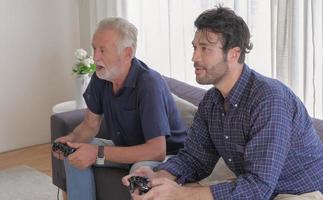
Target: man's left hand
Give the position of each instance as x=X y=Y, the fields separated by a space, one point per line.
x=84 y=156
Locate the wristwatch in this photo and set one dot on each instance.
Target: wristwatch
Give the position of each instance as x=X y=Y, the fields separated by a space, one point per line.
x=100 y=158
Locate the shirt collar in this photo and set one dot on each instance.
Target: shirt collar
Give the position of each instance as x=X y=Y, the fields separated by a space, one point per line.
x=133 y=74
x=236 y=92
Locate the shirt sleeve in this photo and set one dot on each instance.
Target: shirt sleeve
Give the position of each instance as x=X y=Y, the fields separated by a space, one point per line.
x=264 y=155
x=93 y=95
x=198 y=157
x=153 y=106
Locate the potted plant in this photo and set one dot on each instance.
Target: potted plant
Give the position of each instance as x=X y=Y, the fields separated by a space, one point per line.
x=83 y=69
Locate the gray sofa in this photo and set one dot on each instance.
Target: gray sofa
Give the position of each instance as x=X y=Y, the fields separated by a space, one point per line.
x=108 y=180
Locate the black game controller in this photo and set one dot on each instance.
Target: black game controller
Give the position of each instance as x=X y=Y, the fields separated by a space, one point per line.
x=66 y=150
x=140 y=182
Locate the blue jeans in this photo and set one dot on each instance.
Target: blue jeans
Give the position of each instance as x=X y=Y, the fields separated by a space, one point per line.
x=81 y=183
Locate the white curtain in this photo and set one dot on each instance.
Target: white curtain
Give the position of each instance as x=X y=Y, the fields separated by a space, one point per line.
x=297 y=49
x=91 y=12
x=287 y=37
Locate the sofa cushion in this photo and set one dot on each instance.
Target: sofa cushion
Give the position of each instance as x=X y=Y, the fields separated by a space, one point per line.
x=186 y=109
x=318 y=125
x=221 y=173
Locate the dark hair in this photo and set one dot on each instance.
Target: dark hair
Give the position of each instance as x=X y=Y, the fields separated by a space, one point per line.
x=232 y=29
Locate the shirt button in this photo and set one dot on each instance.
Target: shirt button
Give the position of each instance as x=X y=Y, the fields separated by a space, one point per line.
x=118 y=133
x=235 y=105
x=223 y=114
x=226 y=137
x=230 y=160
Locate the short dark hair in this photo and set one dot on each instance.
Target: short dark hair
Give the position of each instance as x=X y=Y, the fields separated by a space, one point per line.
x=233 y=30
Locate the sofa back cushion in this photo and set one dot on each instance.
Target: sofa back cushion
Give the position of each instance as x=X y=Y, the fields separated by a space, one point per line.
x=318 y=125
x=185 y=91
x=186 y=109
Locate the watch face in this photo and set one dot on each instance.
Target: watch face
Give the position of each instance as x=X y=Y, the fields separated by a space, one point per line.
x=101 y=152
x=100 y=158
x=100 y=161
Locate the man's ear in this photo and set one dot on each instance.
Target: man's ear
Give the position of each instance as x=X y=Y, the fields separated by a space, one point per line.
x=128 y=53
x=234 y=54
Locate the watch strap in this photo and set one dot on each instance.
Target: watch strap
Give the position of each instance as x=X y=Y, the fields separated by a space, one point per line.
x=100 y=157
x=101 y=151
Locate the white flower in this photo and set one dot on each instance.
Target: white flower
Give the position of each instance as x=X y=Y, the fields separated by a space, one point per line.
x=91 y=60
x=80 y=54
x=85 y=64
x=88 y=61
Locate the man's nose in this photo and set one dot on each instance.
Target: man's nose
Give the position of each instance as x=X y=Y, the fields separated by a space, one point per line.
x=96 y=55
x=196 y=56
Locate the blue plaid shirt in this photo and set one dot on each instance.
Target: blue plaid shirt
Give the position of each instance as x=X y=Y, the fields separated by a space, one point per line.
x=266 y=138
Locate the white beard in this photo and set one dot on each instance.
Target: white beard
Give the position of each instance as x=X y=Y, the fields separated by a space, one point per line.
x=109 y=75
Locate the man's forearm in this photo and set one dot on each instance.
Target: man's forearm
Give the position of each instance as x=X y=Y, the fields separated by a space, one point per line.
x=196 y=191
x=154 y=150
x=83 y=133
x=87 y=129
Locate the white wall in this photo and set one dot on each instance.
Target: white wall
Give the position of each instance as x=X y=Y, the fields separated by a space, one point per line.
x=37 y=42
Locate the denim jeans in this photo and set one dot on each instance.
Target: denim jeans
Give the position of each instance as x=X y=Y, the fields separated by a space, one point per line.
x=81 y=183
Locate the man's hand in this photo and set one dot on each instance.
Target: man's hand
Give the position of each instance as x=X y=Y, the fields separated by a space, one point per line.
x=166 y=189
x=162 y=189
x=84 y=156
x=142 y=171
x=64 y=140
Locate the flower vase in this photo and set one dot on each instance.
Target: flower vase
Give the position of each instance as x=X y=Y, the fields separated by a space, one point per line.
x=82 y=82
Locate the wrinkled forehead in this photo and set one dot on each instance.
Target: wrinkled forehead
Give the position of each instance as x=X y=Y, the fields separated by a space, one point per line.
x=105 y=37
x=206 y=37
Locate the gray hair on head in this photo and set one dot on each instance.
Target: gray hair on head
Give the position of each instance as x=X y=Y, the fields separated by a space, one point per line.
x=128 y=32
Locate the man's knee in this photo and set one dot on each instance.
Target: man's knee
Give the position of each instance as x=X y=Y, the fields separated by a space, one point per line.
x=150 y=164
x=317 y=195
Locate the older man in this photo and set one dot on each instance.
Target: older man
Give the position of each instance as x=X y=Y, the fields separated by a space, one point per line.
x=139 y=112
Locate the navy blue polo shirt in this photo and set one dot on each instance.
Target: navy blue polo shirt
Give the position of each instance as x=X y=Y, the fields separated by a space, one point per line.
x=141 y=110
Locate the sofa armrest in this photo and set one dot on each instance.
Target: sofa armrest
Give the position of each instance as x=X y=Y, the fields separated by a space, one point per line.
x=61 y=124
x=64 y=123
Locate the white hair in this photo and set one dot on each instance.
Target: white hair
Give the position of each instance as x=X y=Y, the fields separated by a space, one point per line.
x=128 y=32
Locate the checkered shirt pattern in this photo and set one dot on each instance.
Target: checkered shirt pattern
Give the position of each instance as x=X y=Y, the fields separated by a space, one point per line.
x=265 y=136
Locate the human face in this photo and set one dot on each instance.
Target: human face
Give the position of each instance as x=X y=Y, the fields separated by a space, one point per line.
x=209 y=60
x=109 y=62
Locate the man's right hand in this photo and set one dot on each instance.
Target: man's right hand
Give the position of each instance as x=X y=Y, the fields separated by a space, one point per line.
x=142 y=171
x=64 y=140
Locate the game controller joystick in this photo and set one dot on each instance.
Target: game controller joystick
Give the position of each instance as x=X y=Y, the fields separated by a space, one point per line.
x=140 y=182
x=64 y=148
